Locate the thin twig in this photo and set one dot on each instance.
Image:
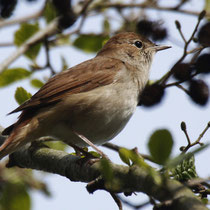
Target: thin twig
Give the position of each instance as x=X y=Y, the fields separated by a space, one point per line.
x=85 y=7
x=197 y=49
x=204 y=131
x=147 y=6
x=181 y=33
x=6 y=44
x=37 y=37
x=179 y=82
x=163 y=79
x=134 y=206
x=196 y=181
x=198 y=139
x=6 y=23
x=117 y=200
x=182 y=88
x=48 y=64
x=186 y=133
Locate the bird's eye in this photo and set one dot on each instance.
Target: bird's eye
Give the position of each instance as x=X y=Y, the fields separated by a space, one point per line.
x=138 y=44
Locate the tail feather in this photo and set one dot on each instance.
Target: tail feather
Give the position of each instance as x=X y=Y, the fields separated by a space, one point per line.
x=20 y=133
x=9 y=146
x=18 y=137
x=8 y=130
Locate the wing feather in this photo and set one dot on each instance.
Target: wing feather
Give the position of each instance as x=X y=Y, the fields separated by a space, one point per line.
x=84 y=77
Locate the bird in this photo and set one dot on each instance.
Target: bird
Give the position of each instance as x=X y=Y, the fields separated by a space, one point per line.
x=94 y=99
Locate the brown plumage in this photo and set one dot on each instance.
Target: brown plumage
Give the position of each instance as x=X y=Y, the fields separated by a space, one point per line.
x=95 y=98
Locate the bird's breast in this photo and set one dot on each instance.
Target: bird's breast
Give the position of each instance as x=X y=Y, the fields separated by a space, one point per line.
x=99 y=114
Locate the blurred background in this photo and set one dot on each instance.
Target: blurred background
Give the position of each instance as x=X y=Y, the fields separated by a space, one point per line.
x=51 y=191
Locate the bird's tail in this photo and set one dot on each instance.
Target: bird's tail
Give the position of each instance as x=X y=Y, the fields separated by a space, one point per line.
x=9 y=145
x=17 y=138
x=12 y=143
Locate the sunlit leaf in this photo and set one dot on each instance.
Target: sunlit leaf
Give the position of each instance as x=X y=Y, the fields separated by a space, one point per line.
x=50 y=12
x=185 y=170
x=125 y=155
x=21 y=95
x=160 y=145
x=95 y=154
x=9 y=76
x=106 y=26
x=207 y=6
x=61 y=40
x=57 y=145
x=15 y=197
x=106 y=169
x=25 y=31
x=64 y=63
x=36 y=83
x=90 y=42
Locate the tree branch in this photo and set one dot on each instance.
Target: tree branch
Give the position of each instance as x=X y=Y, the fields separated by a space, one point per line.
x=146 y=6
x=128 y=179
x=37 y=37
x=9 y=22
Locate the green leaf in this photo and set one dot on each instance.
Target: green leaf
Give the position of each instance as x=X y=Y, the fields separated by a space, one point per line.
x=125 y=155
x=207 y=6
x=95 y=154
x=21 y=95
x=178 y=159
x=9 y=76
x=57 y=145
x=90 y=42
x=106 y=169
x=50 y=12
x=25 y=31
x=15 y=197
x=61 y=40
x=36 y=83
x=160 y=145
x=185 y=170
x=64 y=63
x=106 y=26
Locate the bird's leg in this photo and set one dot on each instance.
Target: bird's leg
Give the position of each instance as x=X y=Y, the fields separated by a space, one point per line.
x=87 y=141
x=80 y=151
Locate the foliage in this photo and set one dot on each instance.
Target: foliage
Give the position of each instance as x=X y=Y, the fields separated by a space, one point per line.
x=21 y=95
x=160 y=145
x=36 y=83
x=189 y=73
x=9 y=76
x=90 y=42
x=25 y=31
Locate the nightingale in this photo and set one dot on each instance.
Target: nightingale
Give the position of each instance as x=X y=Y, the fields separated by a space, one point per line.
x=94 y=99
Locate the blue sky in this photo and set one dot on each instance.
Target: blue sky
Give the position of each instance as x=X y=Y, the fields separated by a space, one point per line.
x=174 y=108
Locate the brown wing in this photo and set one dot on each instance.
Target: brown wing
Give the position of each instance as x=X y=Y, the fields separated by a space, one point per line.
x=81 y=78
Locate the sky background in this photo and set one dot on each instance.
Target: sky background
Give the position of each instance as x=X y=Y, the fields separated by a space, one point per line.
x=174 y=108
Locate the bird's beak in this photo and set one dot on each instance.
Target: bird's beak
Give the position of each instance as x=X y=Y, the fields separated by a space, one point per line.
x=160 y=47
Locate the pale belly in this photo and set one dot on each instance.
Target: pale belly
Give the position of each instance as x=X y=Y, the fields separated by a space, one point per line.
x=97 y=117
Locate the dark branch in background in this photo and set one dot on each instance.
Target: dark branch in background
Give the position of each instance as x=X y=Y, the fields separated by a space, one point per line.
x=128 y=179
x=134 y=206
x=66 y=19
x=36 y=15
x=164 y=79
x=6 y=44
x=117 y=200
x=146 y=6
x=47 y=51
